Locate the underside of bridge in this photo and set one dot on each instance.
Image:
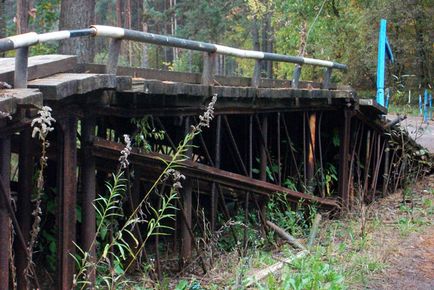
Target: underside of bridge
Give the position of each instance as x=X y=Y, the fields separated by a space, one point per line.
x=317 y=144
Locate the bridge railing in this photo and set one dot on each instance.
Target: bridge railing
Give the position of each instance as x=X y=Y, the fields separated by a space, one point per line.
x=22 y=42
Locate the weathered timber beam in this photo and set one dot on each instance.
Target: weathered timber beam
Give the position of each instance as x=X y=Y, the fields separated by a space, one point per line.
x=111 y=150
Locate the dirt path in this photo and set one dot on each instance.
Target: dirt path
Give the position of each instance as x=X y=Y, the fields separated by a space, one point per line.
x=423 y=133
x=410 y=259
x=411 y=266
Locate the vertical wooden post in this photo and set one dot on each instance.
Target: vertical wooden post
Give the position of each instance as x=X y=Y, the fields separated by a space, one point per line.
x=5 y=233
x=88 y=229
x=327 y=78
x=214 y=195
x=343 y=160
x=21 y=70
x=24 y=205
x=263 y=148
x=208 y=69
x=279 y=173
x=113 y=57
x=386 y=168
x=187 y=205
x=256 y=78
x=67 y=187
x=296 y=77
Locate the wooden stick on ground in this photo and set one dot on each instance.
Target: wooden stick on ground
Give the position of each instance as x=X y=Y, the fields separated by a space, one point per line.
x=273 y=269
x=314 y=230
x=293 y=241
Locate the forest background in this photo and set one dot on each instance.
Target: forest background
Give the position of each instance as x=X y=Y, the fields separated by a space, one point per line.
x=339 y=30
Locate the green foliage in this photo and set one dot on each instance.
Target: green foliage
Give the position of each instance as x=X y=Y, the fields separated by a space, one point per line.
x=146 y=133
x=233 y=232
x=297 y=222
x=310 y=272
x=330 y=177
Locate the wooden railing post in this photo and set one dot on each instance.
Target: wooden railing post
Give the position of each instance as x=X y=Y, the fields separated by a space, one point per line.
x=296 y=77
x=327 y=77
x=113 y=56
x=256 y=78
x=21 y=70
x=208 y=69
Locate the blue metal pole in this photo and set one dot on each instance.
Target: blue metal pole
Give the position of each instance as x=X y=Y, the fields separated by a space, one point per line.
x=420 y=106
x=425 y=106
x=381 y=62
x=430 y=106
x=387 y=95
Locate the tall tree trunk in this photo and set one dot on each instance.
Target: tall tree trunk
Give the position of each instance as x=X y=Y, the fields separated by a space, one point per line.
x=75 y=14
x=119 y=13
x=2 y=22
x=22 y=16
x=128 y=25
x=145 y=58
x=422 y=48
x=255 y=34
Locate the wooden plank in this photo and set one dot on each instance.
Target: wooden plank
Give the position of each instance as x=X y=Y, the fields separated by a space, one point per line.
x=156 y=87
x=8 y=104
x=39 y=66
x=371 y=105
x=63 y=85
x=10 y=99
x=195 y=78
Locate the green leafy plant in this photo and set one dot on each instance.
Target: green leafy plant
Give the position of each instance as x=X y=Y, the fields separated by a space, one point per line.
x=145 y=133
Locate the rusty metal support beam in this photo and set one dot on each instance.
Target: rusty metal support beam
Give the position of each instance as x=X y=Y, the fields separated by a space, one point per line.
x=311 y=149
x=187 y=199
x=234 y=144
x=24 y=205
x=5 y=230
x=278 y=129
x=263 y=148
x=106 y=149
x=288 y=138
x=217 y=161
x=386 y=168
x=67 y=189
x=88 y=227
x=344 y=160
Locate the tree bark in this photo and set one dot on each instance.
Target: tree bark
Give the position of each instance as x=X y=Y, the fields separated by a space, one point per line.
x=76 y=14
x=22 y=16
x=2 y=22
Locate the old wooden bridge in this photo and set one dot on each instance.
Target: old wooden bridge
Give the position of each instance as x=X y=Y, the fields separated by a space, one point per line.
x=300 y=130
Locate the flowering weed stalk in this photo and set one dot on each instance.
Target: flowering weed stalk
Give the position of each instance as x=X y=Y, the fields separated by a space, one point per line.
x=117 y=248
x=42 y=125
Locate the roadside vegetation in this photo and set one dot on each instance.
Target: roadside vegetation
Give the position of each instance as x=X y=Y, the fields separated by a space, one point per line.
x=349 y=252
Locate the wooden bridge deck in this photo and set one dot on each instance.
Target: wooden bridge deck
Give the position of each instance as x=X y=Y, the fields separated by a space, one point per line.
x=280 y=124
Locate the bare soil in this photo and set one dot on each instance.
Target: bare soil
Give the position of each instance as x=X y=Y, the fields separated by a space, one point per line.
x=410 y=259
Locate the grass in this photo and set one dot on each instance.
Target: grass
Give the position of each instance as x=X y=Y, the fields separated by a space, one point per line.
x=343 y=257
x=409 y=109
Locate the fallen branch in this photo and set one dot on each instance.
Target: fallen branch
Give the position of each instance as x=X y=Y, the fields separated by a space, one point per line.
x=273 y=269
x=293 y=241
